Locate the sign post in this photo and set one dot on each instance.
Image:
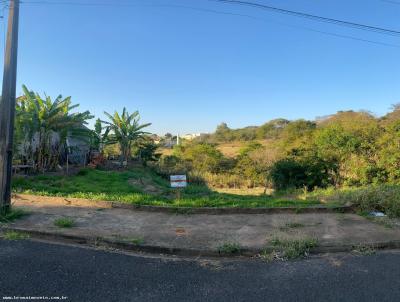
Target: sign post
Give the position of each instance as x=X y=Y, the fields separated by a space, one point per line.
x=178 y=182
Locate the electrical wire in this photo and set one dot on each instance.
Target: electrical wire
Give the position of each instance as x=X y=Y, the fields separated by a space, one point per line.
x=391 y=2
x=360 y=26
x=365 y=27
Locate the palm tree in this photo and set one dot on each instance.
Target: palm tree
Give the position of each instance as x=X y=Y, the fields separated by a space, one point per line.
x=45 y=126
x=124 y=130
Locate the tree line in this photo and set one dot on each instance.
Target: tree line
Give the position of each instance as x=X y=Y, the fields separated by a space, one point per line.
x=345 y=149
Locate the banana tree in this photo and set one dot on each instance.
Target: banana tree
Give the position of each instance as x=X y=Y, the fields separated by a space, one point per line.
x=45 y=125
x=124 y=130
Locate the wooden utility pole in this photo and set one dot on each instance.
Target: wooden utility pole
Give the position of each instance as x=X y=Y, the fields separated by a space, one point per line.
x=7 y=106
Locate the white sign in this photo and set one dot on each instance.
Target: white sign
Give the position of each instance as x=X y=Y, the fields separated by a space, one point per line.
x=178 y=181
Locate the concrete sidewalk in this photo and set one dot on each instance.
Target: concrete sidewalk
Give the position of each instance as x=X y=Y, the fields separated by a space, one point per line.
x=200 y=233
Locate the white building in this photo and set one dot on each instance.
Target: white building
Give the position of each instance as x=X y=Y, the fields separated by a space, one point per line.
x=191 y=136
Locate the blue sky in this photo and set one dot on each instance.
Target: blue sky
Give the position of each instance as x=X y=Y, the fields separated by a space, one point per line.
x=186 y=69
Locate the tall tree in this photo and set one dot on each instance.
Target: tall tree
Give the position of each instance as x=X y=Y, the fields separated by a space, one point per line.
x=44 y=125
x=124 y=130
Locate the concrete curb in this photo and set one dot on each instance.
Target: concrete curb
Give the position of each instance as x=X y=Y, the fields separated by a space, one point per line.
x=190 y=210
x=154 y=249
x=112 y=243
x=226 y=211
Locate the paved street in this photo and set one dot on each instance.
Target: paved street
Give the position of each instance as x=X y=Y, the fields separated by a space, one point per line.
x=30 y=268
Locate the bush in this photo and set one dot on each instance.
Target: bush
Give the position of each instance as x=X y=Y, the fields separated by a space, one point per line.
x=309 y=172
x=171 y=164
x=385 y=198
x=288 y=173
x=203 y=157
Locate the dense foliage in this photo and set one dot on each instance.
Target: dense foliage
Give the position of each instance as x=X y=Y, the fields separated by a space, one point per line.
x=345 y=149
x=43 y=126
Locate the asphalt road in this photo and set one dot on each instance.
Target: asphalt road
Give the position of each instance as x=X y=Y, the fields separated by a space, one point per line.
x=29 y=268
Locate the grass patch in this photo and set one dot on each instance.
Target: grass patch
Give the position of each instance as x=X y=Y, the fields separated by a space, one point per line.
x=267 y=256
x=116 y=186
x=137 y=241
x=64 y=222
x=12 y=215
x=384 y=198
x=229 y=248
x=13 y=235
x=289 y=249
x=364 y=250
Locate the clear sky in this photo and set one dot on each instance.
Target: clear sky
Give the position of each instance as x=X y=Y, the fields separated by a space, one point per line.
x=188 y=65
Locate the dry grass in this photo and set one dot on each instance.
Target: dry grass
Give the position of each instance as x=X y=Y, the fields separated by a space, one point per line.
x=231 y=149
x=165 y=151
x=244 y=191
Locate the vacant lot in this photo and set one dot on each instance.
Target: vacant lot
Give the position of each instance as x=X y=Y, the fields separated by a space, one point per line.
x=142 y=186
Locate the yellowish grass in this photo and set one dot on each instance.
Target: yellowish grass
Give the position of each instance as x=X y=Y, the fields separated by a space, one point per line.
x=244 y=191
x=165 y=151
x=231 y=149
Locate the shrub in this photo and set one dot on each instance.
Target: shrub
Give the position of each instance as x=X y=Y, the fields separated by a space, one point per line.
x=288 y=173
x=203 y=157
x=308 y=172
x=385 y=198
x=229 y=248
x=171 y=164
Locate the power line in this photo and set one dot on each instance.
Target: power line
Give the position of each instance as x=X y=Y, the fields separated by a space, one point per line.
x=339 y=35
x=119 y=4
x=312 y=17
x=76 y=3
x=391 y=1
x=244 y=3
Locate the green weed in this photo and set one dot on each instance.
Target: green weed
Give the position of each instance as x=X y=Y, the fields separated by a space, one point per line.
x=137 y=241
x=13 y=235
x=229 y=248
x=364 y=250
x=12 y=215
x=64 y=222
x=289 y=249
